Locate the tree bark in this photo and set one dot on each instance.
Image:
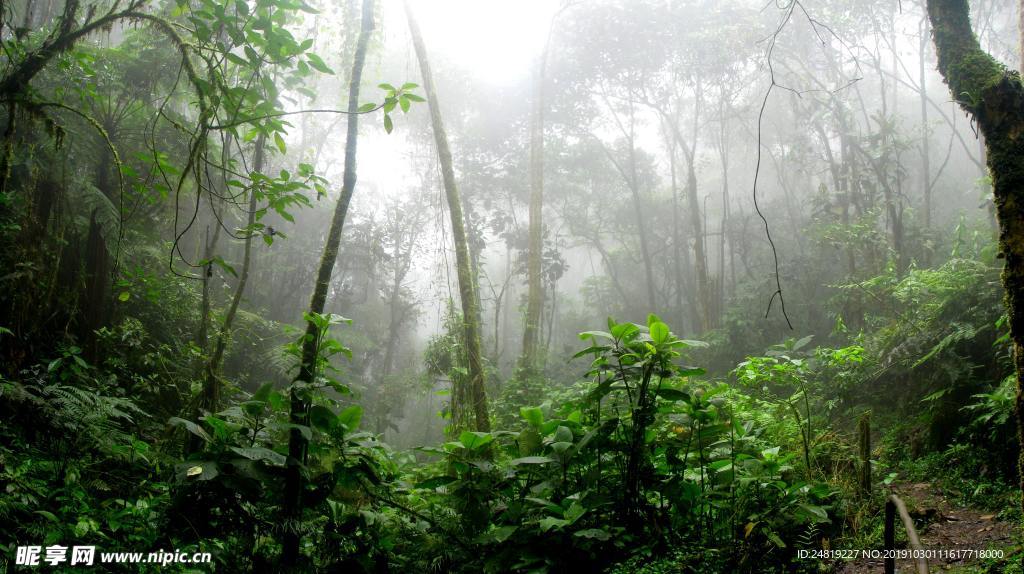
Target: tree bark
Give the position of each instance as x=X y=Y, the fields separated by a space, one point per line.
x=535 y=293
x=926 y=171
x=986 y=89
x=299 y=407
x=474 y=390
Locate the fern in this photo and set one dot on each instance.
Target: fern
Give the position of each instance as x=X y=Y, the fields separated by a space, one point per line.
x=83 y=414
x=89 y=200
x=809 y=537
x=961 y=332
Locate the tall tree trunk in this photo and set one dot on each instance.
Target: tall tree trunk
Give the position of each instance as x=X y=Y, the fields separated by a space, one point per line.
x=299 y=415
x=97 y=282
x=474 y=391
x=1020 y=36
x=926 y=170
x=211 y=384
x=680 y=273
x=641 y=227
x=699 y=252
x=700 y=255
x=630 y=177
x=723 y=229
x=535 y=294
x=986 y=89
x=209 y=248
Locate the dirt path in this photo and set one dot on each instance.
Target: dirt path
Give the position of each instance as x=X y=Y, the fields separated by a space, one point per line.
x=943 y=525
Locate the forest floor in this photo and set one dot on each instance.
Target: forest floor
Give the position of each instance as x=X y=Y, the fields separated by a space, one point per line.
x=946 y=526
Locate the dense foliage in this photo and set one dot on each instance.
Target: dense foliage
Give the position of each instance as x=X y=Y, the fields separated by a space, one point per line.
x=175 y=182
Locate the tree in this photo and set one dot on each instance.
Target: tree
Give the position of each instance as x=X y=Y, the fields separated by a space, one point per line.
x=300 y=404
x=473 y=395
x=535 y=296
x=211 y=385
x=991 y=93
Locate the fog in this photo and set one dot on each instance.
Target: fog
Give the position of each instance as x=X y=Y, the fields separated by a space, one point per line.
x=332 y=236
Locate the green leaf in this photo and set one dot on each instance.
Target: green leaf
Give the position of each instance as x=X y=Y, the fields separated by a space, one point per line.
x=595 y=533
x=47 y=515
x=262 y=394
x=403 y=103
x=802 y=342
x=318 y=64
x=367 y=107
x=672 y=394
x=305 y=431
x=502 y=533
x=474 y=440
x=388 y=125
x=222 y=264
x=816 y=513
x=236 y=59
x=250 y=53
x=435 y=481
x=551 y=522
x=563 y=434
x=191 y=427
x=414 y=98
x=532 y=415
x=659 y=332
x=350 y=417
x=322 y=418
x=124 y=296
x=260 y=453
x=409 y=86
x=280 y=142
x=531 y=460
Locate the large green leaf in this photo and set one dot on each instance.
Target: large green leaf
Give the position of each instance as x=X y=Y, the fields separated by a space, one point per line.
x=350 y=417
x=533 y=415
x=260 y=453
x=474 y=440
x=322 y=418
x=531 y=460
x=659 y=332
x=192 y=428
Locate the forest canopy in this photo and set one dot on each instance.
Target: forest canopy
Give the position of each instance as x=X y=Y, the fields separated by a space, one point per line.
x=488 y=286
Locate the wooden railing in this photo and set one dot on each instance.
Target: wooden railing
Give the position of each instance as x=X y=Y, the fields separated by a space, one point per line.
x=894 y=505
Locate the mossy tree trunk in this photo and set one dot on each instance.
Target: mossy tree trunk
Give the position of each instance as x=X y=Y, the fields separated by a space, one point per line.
x=300 y=404
x=535 y=293
x=994 y=96
x=473 y=390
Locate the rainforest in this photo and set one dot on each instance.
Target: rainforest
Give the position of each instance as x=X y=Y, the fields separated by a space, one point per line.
x=499 y=286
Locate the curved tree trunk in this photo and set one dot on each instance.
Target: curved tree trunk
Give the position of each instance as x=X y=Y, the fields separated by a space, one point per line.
x=986 y=89
x=299 y=415
x=474 y=391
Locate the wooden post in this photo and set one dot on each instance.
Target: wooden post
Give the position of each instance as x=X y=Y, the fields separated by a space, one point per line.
x=864 y=476
x=894 y=505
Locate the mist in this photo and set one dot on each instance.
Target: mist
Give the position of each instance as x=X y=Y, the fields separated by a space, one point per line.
x=491 y=286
